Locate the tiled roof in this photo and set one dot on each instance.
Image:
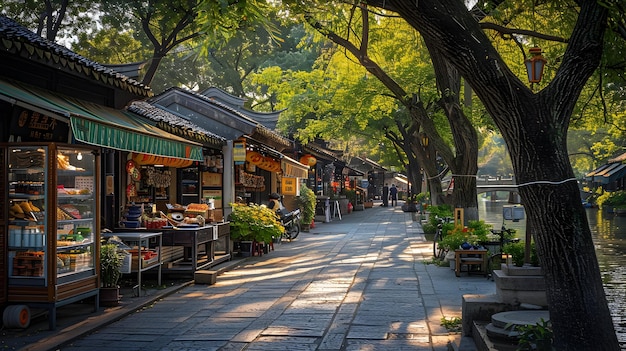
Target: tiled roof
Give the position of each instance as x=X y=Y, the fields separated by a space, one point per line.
x=320 y=151
x=18 y=40
x=260 y=129
x=175 y=124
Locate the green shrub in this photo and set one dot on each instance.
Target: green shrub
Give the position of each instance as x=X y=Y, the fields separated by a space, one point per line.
x=307 y=201
x=614 y=199
x=441 y=211
x=254 y=222
x=350 y=195
x=517 y=251
x=419 y=198
x=536 y=337
x=429 y=228
x=110 y=263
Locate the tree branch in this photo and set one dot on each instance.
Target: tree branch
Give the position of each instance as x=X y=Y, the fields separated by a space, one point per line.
x=518 y=31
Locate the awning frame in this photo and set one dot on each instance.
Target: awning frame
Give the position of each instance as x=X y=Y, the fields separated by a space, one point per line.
x=294 y=169
x=100 y=125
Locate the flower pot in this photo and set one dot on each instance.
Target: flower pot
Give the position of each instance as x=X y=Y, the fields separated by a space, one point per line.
x=245 y=248
x=409 y=207
x=110 y=297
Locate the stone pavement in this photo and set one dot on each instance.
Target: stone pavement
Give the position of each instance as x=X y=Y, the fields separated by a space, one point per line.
x=360 y=283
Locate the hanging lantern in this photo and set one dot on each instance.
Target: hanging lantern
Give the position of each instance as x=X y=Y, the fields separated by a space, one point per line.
x=308 y=160
x=254 y=157
x=535 y=65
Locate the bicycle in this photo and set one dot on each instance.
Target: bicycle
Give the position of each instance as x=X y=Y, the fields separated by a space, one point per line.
x=494 y=262
x=439 y=251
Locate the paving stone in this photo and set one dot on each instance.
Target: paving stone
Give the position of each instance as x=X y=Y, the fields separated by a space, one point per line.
x=366 y=332
x=364 y=287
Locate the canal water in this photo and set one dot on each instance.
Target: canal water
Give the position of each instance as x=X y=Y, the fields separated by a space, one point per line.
x=609 y=235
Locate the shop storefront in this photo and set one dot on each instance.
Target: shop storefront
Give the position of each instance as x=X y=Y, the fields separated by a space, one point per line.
x=62 y=127
x=254 y=157
x=189 y=206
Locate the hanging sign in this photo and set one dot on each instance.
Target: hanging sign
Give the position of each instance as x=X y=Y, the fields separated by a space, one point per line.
x=33 y=126
x=289 y=186
x=239 y=152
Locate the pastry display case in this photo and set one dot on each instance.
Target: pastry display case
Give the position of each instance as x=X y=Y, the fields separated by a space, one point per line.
x=51 y=221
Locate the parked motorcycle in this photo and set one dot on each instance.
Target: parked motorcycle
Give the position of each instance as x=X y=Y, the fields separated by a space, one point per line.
x=291 y=222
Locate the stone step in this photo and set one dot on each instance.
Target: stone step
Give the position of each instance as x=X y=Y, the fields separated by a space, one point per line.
x=505 y=334
x=510 y=319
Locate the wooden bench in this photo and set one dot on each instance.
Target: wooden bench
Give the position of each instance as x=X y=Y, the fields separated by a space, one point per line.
x=470 y=258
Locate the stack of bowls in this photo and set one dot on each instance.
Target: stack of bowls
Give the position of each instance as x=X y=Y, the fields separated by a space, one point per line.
x=133 y=216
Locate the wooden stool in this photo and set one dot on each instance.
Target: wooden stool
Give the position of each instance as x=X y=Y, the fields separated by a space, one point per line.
x=257 y=248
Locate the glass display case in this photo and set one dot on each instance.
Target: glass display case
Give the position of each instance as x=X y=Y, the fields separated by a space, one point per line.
x=52 y=223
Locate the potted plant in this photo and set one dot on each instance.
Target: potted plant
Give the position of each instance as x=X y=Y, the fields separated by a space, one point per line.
x=253 y=223
x=110 y=264
x=306 y=202
x=473 y=235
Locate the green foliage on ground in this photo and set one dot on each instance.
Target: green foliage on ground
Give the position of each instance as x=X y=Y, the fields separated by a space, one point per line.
x=453 y=324
x=536 y=337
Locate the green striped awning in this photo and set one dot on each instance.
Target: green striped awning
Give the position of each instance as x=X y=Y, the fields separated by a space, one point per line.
x=102 y=126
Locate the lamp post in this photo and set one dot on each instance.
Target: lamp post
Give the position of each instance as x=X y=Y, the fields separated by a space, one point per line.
x=425 y=144
x=535 y=65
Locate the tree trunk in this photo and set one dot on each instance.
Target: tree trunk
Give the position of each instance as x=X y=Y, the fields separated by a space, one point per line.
x=535 y=129
x=465 y=163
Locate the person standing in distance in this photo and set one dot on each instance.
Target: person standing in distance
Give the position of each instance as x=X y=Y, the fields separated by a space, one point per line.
x=393 y=195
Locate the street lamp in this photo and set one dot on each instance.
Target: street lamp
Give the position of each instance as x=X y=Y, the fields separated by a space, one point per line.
x=535 y=65
x=424 y=140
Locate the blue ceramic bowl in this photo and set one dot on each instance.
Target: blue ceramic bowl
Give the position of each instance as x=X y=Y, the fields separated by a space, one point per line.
x=131 y=224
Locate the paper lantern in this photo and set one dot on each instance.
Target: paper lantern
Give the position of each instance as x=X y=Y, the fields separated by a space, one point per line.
x=144 y=159
x=308 y=160
x=254 y=157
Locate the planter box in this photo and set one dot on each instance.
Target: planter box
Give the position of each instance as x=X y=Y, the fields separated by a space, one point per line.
x=109 y=297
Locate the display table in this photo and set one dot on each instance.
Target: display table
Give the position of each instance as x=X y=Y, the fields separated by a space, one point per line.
x=143 y=241
x=223 y=243
x=470 y=258
x=197 y=242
